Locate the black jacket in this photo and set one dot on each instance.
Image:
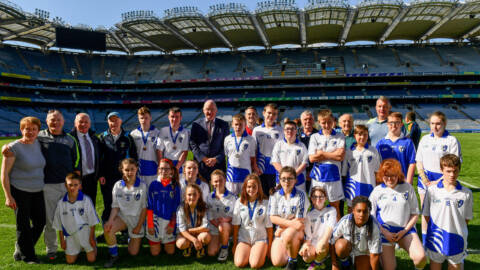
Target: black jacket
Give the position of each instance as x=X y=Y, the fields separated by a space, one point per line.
x=114 y=152
x=96 y=150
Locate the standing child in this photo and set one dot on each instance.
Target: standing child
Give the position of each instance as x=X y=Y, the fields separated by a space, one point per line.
x=220 y=204
x=128 y=211
x=252 y=228
x=291 y=152
x=327 y=150
x=357 y=235
x=266 y=136
x=240 y=151
x=190 y=176
x=287 y=209
x=448 y=209
x=360 y=165
x=163 y=201
x=75 y=219
x=174 y=139
x=192 y=223
x=319 y=226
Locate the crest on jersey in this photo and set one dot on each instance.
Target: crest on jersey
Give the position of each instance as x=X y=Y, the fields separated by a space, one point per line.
x=260 y=212
x=405 y=195
x=81 y=211
x=122 y=144
x=180 y=139
x=334 y=143
x=293 y=209
x=227 y=209
x=322 y=220
x=245 y=146
x=137 y=196
x=277 y=136
x=460 y=203
x=369 y=159
x=401 y=149
x=298 y=152
x=444 y=148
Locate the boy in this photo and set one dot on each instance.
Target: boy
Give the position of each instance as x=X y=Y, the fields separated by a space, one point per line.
x=266 y=136
x=327 y=150
x=240 y=151
x=398 y=147
x=291 y=152
x=448 y=209
x=75 y=219
x=145 y=138
x=174 y=139
x=360 y=166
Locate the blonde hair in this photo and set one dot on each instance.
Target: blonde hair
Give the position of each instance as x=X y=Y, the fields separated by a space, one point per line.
x=30 y=120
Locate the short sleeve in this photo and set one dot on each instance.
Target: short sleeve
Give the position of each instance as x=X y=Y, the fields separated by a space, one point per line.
x=276 y=153
x=375 y=242
x=312 y=145
x=332 y=219
x=305 y=154
x=92 y=214
x=341 y=142
x=253 y=147
x=225 y=144
x=339 y=229
x=159 y=145
x=308 y=228
x=144 y=196
x=204 y=222
x=181 y=219
x=57 y=221
x=426 y=203
x=376 y=160
x=412 y=201
x=115 y=203
x=210 y=210
x=303 y=206
x=469 y=206
x=231 y=206
x=373 y=200
x=419 y=154
x=273 y=206
x=411 y=152
x=345 y=164
x=236 y=214
x=185 y=142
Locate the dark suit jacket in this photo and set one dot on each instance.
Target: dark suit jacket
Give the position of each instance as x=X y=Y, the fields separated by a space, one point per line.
x=201 y=147
x=96 y=148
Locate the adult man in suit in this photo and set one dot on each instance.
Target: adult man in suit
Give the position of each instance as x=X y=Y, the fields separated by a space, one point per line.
x=90 y=154
x=206 y=141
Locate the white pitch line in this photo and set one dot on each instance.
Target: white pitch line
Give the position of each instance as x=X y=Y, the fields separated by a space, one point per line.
x=468 y=185
x=10 y=226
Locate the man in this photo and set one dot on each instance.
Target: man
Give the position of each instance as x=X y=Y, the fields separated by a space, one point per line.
x=174 y=139
x=252 y=116
x=207 y=139
x=412 y=130
x=377 y=127
x=61 y=153
x=116 y=145
x=304 y=133
x=346 y=127
x=89 y=154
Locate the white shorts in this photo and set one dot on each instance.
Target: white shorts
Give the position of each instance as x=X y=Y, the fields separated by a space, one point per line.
x=161 y=235
x=213 y=230
x=334 y=189
x=250 y=237
x=132 y=222
x=78 y=241
x=234 y=187
x=440 y=258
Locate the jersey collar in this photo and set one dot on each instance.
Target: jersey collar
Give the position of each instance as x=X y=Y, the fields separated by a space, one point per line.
x=152 y=127
x=295 y=142
x=333 y=132
x=274 y=125
x=224 y=194
x=79 y=197
x=136 y=184
x=244 y=134
x=197 y=182
x=444 y=135
x=355 y=145
x=458 y=186
x=292 y=194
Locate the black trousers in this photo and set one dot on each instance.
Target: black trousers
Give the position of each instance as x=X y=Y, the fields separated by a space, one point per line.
x=30 y=217
x=89 y=187
x=269 y=181
x=107 y=198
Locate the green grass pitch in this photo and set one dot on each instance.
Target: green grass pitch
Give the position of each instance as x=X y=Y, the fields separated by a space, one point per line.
x=470 y=173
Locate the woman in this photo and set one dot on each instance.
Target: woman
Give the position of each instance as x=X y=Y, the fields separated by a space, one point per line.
x=22 y=181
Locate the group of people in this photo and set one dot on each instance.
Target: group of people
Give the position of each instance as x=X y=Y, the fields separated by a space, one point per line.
x=261 y=188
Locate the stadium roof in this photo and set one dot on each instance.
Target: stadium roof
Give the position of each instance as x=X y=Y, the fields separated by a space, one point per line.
x=274 y=22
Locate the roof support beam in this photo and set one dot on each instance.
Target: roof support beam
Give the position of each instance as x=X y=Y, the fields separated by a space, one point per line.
x=471 y=32
x=348 y=24
x=394 y=24
x=120 y=42
x=26 y=32
x=218 y=33
x=445 y=19
x=179 y=35
x=303 y=28
x=51 y=43
x=11 y=21
x=260 y=31
x=139 y=36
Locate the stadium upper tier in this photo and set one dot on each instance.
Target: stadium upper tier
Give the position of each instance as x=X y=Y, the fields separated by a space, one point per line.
x=273 y=22
x=275 y=64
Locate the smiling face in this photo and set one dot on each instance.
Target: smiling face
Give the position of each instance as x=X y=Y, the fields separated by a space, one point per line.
x=164 y=170
x=191 y=196
x=251 y=116
x=318 y=199
x=175 y=119
x=218 y=182
x=82 y=123
x=307 y=121
x=238 y=126
x=115 y=124
x=252 y=189
x=390 y=180
x=29 y=131
x=346 y=123
x=383 y=109
x=210 y=110
x=55 y=123
x=290 y=132
x=191 y=171
x=326 y=123
x=287 y=181
x=361 y=137
x=270 y=115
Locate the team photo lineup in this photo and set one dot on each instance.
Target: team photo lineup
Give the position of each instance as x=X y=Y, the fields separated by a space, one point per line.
x=256 y=191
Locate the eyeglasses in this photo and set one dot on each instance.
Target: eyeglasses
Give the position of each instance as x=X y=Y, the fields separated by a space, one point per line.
x=318 y=197
x=287 y=179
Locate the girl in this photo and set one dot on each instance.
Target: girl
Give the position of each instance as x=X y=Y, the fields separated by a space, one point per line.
x=319 y=226
x=220 y=204
x=129 y=197
x=287 y=209
x=190 y=176
x=252 y=228
x=163 y=201
x=192 y=222
x=395 y=206
x=366 y=245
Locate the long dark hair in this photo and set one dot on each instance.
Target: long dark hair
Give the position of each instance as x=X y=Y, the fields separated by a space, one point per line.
x=369 y=223
x=201 y=205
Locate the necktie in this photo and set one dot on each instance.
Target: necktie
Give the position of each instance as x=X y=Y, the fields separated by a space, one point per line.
x=209 y=127
x=88 y=151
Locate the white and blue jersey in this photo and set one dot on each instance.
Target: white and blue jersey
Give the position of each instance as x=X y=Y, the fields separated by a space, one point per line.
x=173 y=144
x=220 y=208
x=327 y=170
x=402 y=150
x=204 y=187
x=130 y=201
x=447 y=229
x=266 y=139
x=147 y=145
x=185 y=221
x=293 y=155
x=317 y=223
x=253 y=221
x=73 y=217
x=163 y=200
x=431 y=149
x=359 y=167
x=295 y=206
x=393 y=207
x=239 y=153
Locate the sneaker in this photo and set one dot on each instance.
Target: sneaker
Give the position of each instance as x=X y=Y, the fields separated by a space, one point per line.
x=17 y=255
x=223 y=255
x=187 y=252
x=314 y=266
x=111 y=261
x=201 y=253
x=291 y=265
x=52 y=256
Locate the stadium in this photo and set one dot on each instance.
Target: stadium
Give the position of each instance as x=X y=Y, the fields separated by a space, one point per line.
x=327 y=54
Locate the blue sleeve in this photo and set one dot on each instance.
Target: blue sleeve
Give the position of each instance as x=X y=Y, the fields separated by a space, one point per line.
x=411 y=152
x=177 y=196
x=150 y=198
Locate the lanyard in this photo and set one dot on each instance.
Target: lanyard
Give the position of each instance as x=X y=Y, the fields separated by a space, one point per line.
x=193 y=218
x=237 y=145
x=174 y=140
x=144 y=138
x=251 y=211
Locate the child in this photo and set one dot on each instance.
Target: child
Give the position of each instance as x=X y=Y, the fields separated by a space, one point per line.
x=266 y=136
x=174 y=139
x=287 y=209
x=448 y=209
x=398 y=147
x=128 y=211
x=327 y=150
x=360 y=165
x=291 y=152
x=192 y=223
x=75 y=219
x=357 y=235
x=240 y=150
x=220 y=204
x=252 y=228
x=395 y=206
x=163 y=201
x=190 y=176
x=319 y=226
x=146 y=138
